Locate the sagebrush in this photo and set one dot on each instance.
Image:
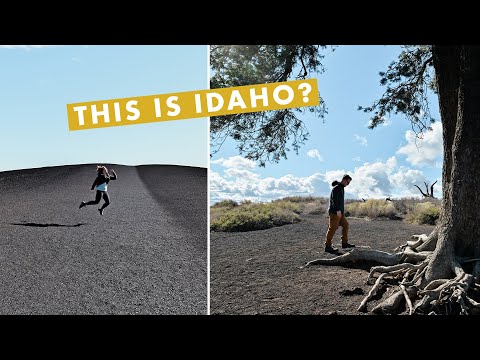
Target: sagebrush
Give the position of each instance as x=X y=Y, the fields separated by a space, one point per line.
x=229 y=215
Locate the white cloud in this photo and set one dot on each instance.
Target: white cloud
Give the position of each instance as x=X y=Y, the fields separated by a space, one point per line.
x=379 y=179
x=372 y=179
x=315 y=154
x=360 y=139
x=241 y=174
x=356 y=158
x=382 y=179
x=239 y=181
x=26 y=47
x=332 y=175
x=425 y=151
x=265 y=189
x=237 y=162
x=386 y=121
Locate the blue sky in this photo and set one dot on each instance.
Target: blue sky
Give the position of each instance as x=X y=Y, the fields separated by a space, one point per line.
x=36 y=83
x=382 y=162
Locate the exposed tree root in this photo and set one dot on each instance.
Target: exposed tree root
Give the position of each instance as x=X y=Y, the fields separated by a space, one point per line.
x=378 y=284
x=407 y=298
x=393 y=303
x=357 y=255
x=430 y=242
x=405 y=270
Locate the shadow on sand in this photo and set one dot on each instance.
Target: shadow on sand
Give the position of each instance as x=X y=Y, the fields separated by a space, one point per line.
x=46 y=225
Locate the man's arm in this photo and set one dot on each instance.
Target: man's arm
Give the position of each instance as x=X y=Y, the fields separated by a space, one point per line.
x=337 y=199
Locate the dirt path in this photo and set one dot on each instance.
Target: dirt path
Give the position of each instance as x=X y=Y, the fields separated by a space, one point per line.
x=259 y=272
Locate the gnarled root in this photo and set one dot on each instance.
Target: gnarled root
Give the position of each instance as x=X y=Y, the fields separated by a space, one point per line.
x=449 y=296
x=407 y=269
x=430 y=242
x=441 y=296
x=393 y=303
x=378 y=284
x=357 y=255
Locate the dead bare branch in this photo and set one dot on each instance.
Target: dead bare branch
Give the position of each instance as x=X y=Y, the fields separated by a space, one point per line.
x=424 y=195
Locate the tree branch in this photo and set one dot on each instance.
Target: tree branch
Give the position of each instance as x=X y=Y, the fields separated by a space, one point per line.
x=431 y=189
x=407 y=83
x=425 y=195
x=426 y=187
x=423 y=68
x=305 y=72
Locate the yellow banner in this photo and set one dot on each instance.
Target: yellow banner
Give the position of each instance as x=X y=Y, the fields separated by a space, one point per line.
x=192 y=104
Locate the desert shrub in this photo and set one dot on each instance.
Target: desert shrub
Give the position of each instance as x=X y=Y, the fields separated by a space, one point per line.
x=351 y=201
x=371 y=208
x=299 y=199
x=403 y=205
x=226 y=203
x=220 y=207
x=255 y=217
x=308 y=204
x=424 y=213
x=406 y=205
x=317 y=206
x=317 y=211
x=290 y=206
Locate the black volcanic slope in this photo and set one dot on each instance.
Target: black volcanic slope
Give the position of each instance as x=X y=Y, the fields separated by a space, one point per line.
x=146 y=255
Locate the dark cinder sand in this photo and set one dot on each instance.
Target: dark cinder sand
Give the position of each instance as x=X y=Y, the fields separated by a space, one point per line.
x=146 y=255
x=260 y=272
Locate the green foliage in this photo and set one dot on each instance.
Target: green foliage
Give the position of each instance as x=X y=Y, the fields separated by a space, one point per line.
x=220 y=207
x=263 y=136
x=225 y=203
x=424 y=213
x=268 y=136
x=408 y=81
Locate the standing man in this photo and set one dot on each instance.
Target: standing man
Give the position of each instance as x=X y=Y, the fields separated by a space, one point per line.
x=336 y=213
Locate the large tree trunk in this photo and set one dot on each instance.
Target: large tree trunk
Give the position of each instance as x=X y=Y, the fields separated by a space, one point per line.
x=444 y=265
x=458 y=80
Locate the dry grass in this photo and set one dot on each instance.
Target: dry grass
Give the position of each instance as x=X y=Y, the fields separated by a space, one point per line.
x=251 y=216
x=372 y=209
x=424 y=213
x=229 y=215
x=220 y=208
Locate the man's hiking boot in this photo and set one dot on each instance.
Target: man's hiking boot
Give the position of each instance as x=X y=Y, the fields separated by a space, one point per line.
x=331 y=250
x=347 y=246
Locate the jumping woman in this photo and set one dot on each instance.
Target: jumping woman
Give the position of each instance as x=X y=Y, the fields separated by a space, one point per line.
x=101 y=183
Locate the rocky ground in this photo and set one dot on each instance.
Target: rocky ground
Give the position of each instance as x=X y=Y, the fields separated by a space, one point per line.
x=260 y=272
x=146 y=255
